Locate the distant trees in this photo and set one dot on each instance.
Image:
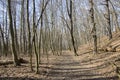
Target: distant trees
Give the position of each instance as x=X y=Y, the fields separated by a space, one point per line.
x=51 y=26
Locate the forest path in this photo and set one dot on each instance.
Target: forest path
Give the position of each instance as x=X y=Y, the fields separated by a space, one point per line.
x=82 y=67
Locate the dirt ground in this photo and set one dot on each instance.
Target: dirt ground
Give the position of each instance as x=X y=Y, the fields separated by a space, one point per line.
x=86 y=66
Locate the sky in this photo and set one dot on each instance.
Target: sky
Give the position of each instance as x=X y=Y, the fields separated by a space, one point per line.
x=81 y=5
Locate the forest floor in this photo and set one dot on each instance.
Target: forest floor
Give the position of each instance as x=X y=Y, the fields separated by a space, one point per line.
x=86 y=66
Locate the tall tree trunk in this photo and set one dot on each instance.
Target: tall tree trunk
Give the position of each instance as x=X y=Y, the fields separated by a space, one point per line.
x=34 y=39
x=94 y=27
x=29 y=36
x=3 y=41
x=14 y=52
x=71 y=27
x=2 y=33
x=15 y=29
x=7 y=34
x=108 y=20
x=117 y=28
x=21 y=28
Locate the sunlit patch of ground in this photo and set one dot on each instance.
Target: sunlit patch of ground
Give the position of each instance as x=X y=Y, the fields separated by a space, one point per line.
x=86 y=66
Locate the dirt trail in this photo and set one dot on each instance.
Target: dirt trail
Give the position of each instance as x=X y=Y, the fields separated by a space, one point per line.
x=83 y=67
x=86 y=66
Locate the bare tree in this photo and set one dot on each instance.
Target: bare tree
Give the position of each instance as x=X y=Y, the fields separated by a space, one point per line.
x=69 y=10
x=3 y=40
x=14 y=11
x=35 y=25
x=29 y=36
x=34 y=39
x=107 y=16
x=14 y=52
x=116 y=17
x=22 y=28
x=93 y=24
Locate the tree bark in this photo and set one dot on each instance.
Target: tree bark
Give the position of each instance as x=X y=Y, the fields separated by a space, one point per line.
x=29 y=36
x=34 y=40
x=71 y=27
x=71 y=31
x=108 y=19
x=14 y=52
x=94 y=27
x=3 y=41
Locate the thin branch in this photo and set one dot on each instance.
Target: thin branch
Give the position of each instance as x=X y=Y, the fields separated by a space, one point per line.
x=67 y=7
x=43 y=9
x=66 y=23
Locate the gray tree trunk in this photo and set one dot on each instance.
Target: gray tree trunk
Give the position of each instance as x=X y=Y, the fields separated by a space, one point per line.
x=29 y=36
x=107 y=16
x=14 y=52
x=94 y=27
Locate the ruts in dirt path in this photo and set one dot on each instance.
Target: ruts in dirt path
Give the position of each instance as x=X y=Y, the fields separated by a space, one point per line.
x=83 y=67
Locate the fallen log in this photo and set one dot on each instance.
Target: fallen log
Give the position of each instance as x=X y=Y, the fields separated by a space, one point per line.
x=21 y=60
